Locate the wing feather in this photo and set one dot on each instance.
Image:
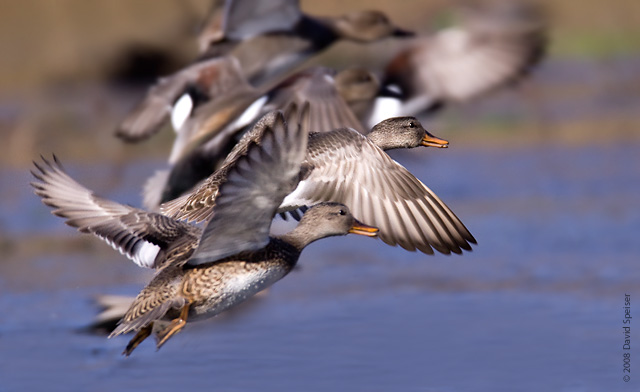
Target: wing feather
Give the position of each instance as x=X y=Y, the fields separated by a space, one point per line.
x=379 y=192
x=252 y=191
x=139 y=235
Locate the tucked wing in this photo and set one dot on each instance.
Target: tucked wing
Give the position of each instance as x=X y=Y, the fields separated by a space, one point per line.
x=350 y=169
x=139 y=235
x=252 y=191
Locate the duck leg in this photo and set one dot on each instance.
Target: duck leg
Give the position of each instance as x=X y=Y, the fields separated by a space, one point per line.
x=140 y=336
x=174 y=326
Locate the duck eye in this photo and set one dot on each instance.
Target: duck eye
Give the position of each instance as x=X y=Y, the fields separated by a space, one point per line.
x=342 y=212
x=412 y=124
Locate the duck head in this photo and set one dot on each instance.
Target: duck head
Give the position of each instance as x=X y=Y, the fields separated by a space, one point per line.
x=331 y=219
x=357 y=84
x=403 y=132
x=367 y=26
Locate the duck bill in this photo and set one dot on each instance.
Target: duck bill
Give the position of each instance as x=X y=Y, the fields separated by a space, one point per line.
x=398 y=32
x=362 y=229
x=433 y=141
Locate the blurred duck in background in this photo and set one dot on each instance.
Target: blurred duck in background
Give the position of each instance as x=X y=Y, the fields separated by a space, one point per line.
x=211 y=103
x=271 y=38
x=492 y=45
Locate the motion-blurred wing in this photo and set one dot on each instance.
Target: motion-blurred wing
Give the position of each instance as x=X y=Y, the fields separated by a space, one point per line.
x=254 y=188
x=317 y=87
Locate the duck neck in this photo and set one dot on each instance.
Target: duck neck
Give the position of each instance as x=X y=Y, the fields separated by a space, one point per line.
x=380 y=140
x=301 y=236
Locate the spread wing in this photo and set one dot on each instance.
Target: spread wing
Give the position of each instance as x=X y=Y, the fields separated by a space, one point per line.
x=327 y=109
x=212 y=78
x=348 y=168
x=197 y=206
x=252 y=191
x=139 y=235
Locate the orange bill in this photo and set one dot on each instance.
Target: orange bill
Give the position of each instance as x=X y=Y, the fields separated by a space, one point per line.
x=362 y=229
x=433 y=141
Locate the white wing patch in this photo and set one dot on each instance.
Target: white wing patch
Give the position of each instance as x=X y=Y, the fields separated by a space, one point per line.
x=296 y=198
x=144 y=254
x=249 y=114
x=181 y=111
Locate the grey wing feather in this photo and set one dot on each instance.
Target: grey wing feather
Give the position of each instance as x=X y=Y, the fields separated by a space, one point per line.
x=153 y=188
x=327 y=109
x=197 y=206
x=380 y=192
x=137 y=234
x=253 y=190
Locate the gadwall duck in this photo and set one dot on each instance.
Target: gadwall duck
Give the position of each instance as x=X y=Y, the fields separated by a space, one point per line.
x=493 y=45
x=347 y=167
x=201 y=273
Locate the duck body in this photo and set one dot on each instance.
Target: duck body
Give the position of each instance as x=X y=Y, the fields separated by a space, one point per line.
x=230 y=282
x=209 y=288
x=492 y=46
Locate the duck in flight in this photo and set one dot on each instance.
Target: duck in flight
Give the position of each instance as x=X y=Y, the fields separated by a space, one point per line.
x=490 y=47
x=347 y=167
x=267 y=39
x=201 y=273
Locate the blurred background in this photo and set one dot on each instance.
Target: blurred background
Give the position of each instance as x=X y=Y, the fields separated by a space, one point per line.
x=545 y=174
